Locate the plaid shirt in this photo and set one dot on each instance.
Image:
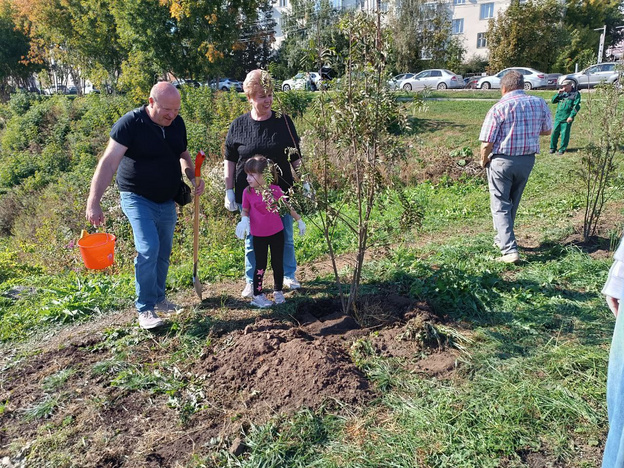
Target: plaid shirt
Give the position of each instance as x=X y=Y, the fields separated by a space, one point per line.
x=514 y=124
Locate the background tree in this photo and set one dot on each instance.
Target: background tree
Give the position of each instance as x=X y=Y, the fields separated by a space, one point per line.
x=421 y=30
x=74 y=36
x=207 y=32
x=14 y=64
x=254 y=48
x=526 y=34
x=581 y=40
x=312 y=41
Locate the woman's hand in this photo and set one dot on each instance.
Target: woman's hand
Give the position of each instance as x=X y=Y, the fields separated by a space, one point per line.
x=230 y=200
x=614 y=305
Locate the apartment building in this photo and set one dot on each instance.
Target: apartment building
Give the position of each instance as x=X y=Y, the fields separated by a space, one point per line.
x=470 y=23
x=470 y=19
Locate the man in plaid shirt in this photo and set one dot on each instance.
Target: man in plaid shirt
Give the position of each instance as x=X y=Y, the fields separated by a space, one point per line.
x=510 y=138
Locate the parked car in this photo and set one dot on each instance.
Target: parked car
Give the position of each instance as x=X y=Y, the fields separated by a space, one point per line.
x=58 y=89
x=471 y=82
x=300 y=80
x=436 y=78
x=552 y=80
x=186 y=82
x=225 y=84
x=533 y=79
x=606 y=72
x=393 y=83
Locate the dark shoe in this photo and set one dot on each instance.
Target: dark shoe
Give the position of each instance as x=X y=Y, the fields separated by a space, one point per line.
x=552 y=151
x=561 y=151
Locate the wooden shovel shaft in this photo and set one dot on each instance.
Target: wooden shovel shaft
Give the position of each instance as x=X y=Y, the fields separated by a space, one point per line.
x=199 y=160
x=196 y=284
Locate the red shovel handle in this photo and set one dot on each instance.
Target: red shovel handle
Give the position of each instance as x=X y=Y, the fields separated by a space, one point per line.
x=199 y=160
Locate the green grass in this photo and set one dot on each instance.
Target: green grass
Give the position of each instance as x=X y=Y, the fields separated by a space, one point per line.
x=532 y=339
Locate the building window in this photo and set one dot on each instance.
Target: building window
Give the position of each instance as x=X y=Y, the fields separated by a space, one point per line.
x=283 y=3
x=487 y=11
x=481 y=40
x=459 y=2
x=458 y=26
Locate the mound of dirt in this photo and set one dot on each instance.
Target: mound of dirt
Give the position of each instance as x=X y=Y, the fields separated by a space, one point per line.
x=272 y=366
x=244 y=377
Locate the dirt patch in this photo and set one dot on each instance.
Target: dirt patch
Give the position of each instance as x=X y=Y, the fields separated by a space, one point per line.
x=268 y=366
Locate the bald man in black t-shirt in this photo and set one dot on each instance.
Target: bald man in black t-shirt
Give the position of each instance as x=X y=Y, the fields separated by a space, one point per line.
x=148 y=151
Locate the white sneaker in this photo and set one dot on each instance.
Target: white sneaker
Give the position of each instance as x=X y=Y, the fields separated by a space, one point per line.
x=512 y=257
x=166 y=306
x=149 y=319
x=261 y=301
x=278 y=297
x=291 y=283
x=248 y=291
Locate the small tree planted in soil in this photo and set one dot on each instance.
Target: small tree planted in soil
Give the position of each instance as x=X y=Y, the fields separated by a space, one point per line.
x=355 y=150
x=605 y=115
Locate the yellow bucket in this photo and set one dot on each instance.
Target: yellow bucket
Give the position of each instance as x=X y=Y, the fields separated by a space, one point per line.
x=97 y=250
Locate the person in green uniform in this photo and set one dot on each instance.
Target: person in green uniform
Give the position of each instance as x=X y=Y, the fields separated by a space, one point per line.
x=568 y=101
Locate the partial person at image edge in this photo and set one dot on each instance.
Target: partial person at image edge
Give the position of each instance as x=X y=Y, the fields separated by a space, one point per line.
x=613 y=290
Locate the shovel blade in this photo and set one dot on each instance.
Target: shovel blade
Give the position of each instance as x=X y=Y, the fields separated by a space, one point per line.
x=196 y=284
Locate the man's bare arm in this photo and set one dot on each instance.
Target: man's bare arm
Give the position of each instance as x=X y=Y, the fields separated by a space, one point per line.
x=106 y=168
x=486 y=151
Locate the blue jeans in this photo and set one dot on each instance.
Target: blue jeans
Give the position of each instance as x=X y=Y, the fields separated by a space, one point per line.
x=290 y=263
x=614 y=448
x=152 y=225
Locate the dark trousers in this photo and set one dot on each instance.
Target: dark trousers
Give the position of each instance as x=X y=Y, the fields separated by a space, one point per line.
x=261 y=250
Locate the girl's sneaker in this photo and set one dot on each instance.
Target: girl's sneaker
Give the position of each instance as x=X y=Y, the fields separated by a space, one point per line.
x=261 y=301
x=278 y=297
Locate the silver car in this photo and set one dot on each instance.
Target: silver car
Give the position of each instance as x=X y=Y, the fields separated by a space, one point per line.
x=393 y=83
x=532 y=78
x=437 y=78
x=607 y=72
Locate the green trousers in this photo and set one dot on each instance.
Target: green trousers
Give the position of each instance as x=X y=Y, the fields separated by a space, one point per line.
x=560 y=127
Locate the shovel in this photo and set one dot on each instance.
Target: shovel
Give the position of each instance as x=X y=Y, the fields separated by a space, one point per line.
x=199 y=159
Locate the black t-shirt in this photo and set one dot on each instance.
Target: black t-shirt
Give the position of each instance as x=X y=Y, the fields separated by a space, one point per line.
x=151 y=166
x=270 y=138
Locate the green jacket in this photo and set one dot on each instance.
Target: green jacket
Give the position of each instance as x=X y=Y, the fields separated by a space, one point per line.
x=568 y=104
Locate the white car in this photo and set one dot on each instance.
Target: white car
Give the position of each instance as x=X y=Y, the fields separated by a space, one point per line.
x=606 y=72
x=225 y=84
x=437 y=78
x=532 y=79
x=300 y=79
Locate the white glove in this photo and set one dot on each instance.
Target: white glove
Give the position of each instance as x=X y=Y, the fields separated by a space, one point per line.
x=242 y=228
x=306 y=188
x=230 y=200
x=302 y=227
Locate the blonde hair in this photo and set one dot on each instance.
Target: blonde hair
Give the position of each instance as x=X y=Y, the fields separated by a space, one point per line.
x=257 y=81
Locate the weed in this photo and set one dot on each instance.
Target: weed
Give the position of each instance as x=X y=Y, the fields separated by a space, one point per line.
x=43 y=409
x=55 y=381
